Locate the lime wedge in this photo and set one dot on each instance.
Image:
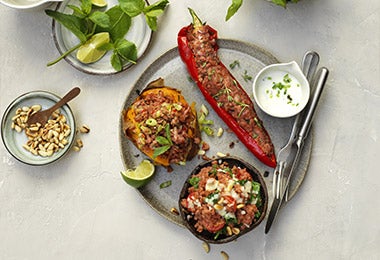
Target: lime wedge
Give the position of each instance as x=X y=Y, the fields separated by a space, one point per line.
x=89 y=52
x=99 y=3
x=139 y=176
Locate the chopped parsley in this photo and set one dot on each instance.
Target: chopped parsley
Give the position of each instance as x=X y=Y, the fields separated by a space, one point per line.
x=234 y=64
x=246 y=77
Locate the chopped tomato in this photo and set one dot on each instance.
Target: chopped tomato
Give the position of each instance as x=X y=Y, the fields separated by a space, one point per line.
x=215 y=225
x=230 y=203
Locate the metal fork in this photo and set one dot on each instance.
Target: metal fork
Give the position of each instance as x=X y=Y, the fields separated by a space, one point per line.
x=309 y=66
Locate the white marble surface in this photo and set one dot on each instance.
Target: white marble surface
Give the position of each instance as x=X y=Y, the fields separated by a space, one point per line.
x=79 y=208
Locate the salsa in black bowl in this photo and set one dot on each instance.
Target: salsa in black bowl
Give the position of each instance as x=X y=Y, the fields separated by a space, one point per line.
x=223 y=199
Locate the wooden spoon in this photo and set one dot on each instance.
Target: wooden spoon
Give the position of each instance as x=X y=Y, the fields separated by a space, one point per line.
x=43 y=116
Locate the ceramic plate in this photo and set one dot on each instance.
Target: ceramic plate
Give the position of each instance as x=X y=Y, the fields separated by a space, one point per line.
x=171 y=68
x=139 y=33
x=14 y=141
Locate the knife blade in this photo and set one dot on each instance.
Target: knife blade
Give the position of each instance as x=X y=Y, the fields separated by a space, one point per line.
x=297 y=146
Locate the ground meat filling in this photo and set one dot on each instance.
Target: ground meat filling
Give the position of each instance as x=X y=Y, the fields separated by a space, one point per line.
x=222 y=199
x=217 y=80
x=154 y=113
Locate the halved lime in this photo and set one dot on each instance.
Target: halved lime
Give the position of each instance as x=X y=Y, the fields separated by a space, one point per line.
x=139 y=176
x=99 y=3
x=89 y=52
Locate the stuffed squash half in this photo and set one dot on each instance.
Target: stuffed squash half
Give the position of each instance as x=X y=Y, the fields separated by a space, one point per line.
x=162 y=125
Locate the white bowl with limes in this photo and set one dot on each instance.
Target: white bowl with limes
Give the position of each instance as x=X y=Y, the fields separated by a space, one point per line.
x=139 y=33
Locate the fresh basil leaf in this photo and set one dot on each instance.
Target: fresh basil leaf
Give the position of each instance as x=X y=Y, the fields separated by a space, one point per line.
x=71 y=22
x=120 y=23
x=100 y=18
x=160 y=150
x=162 y=140
x=234 y=7
x=127 y=50
x=116 y=61
x=132 y=7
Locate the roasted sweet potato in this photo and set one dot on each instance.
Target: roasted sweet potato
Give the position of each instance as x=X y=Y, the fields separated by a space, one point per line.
x=163 y=125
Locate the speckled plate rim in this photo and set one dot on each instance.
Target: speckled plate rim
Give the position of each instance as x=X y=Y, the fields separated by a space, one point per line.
x=27 y=100
x=105 y=65
x=129 y=159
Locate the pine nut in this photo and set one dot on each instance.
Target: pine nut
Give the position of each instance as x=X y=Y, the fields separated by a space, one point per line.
x=224 y=255
x=84 y=129
x=236 y=231
x=206 y=247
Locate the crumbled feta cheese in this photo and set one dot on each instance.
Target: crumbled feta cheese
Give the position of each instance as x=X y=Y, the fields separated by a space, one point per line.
x=211 y=184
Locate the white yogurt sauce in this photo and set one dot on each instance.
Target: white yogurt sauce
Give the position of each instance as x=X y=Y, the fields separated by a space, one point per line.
x=279 y=91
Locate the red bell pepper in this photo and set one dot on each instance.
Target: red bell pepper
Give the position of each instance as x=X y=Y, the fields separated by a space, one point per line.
x=258 y=141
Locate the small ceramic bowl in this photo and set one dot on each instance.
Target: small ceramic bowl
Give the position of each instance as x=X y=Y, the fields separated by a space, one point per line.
x=281 y=90
x=14 y=141
x=139 y=33
x=27 y=4
x=210 y=237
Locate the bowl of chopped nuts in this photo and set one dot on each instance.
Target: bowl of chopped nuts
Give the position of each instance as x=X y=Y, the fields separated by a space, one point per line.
x=37 y=144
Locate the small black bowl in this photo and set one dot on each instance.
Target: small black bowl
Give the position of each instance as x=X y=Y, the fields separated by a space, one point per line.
x=206 y=235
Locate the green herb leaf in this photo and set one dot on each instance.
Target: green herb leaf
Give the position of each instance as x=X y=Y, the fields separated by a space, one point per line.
x=160 y=150
x=71 y=22
x=156 y=8
x=86 y=6
x=153 y=11
x=280 y=2
x=167 y=130
x=77 y=11
x=165 y=184
x=234 y=7
x=246 y=77
x=162 y=140
x=116 y=62
x=107 y=47
x=120 y=23
x=194 y=181
x=100 y=18
x=132 y=7
x=208 y=130
x=152 y=22
x=126 y=50
x=234 y=64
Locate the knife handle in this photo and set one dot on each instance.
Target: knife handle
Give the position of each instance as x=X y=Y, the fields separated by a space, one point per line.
x=320 y=83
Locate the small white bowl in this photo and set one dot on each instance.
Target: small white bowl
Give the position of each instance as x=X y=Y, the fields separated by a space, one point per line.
x=139 y=33
x=14 y=140
x=27 y=4
x=281 y=90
